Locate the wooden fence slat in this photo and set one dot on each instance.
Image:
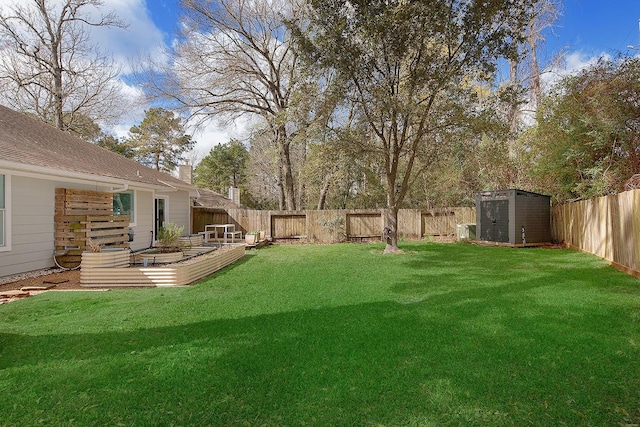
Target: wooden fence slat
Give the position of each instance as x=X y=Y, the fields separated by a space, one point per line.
x=81 y=215
x=333 y=225
x=103 y=225
x=607 y=226
x=361 y=225
x=289 y=226
x=201 y=216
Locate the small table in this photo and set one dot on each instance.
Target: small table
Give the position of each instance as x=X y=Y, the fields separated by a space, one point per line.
x=233 y=235
x=213 y=229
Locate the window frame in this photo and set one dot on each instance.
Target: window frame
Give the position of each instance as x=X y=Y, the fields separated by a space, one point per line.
x=5 y=218
x=134 y=207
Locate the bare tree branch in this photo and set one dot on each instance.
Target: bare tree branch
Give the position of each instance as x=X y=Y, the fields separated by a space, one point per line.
x=50 y=68
x=235 y=59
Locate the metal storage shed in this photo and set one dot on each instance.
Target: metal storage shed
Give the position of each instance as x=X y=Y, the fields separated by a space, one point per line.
x=513 y=217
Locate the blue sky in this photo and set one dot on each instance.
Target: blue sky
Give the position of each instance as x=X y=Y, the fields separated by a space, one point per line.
x=593 y=27
x=164 y=14
x=585 y=30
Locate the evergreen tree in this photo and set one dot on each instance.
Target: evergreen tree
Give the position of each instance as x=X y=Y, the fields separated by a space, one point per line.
x=160 y=140
x=225 y=166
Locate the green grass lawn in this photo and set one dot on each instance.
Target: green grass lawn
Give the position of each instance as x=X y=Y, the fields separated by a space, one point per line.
x=445 y=334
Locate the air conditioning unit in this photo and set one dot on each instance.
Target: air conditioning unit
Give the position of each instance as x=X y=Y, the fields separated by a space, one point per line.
x=466 y=232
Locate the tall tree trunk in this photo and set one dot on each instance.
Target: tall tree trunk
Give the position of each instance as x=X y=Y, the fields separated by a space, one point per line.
x=58 y=100
x=394 y=199
x=281 y=197
x=390 y=232
x=301 y=196
x=513 y=108
x=285 y=161
x=323 y=193
x=535 y=68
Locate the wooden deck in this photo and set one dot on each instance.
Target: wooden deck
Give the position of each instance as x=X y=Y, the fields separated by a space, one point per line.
x=178 y=274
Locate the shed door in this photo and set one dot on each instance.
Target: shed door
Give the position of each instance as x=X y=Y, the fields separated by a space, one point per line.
x=495 y=221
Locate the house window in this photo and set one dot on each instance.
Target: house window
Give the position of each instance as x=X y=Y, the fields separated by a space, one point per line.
x=124 y=204
x=3 y=210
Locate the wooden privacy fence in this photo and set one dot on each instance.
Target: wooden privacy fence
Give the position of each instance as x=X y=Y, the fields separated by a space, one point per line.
x=201 y=216
x=608 y=227
x=328 y=226
x=81 y=215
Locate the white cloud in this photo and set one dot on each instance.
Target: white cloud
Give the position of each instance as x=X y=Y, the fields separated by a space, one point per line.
x=572 y=63
x=141 y=39
x=213 y=134
x=207 y=136
x=134 y=114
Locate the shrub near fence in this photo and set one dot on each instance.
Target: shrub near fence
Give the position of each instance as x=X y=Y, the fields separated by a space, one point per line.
x=329 y=226
x=608 y=227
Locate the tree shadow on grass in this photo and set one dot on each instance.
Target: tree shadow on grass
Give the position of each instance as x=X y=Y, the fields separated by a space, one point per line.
x=469 y=356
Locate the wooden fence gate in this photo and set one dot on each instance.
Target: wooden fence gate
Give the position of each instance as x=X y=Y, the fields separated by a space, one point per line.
x=288 y=226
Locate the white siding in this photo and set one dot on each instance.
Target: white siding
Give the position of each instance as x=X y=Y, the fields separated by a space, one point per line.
x=32 y=209
x=179 y=210
x=32 y=224
x=144 y=220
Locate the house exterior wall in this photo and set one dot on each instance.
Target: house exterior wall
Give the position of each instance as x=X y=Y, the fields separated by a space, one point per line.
x=178 y=212
x=179 y=205
x=143 y=225
x=32 y=210
x=31 y=227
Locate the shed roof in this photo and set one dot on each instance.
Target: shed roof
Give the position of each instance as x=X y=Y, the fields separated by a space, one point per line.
x=30 y=144
x=491 y=193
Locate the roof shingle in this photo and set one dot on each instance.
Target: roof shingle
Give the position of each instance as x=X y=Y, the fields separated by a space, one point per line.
x=27 y=141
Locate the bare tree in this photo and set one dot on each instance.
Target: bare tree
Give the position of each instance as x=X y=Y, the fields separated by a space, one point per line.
x=235 y=59
x=546 y=15
x=523 y=94
x=525 y=70
x=49 y=66
x=263 y=180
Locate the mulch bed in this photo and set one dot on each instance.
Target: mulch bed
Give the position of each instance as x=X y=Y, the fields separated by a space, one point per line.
x=27 y=286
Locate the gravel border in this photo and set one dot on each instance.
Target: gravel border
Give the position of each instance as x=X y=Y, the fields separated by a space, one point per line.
x=30 y=275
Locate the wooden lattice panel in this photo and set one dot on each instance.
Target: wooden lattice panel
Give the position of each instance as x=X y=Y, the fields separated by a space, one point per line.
x=83 y=202
x=82 y=215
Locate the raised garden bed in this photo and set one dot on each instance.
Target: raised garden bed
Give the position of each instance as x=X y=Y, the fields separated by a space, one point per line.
x=107 y=258
x=154 y=256
x=177 y=274
x=191 y=240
